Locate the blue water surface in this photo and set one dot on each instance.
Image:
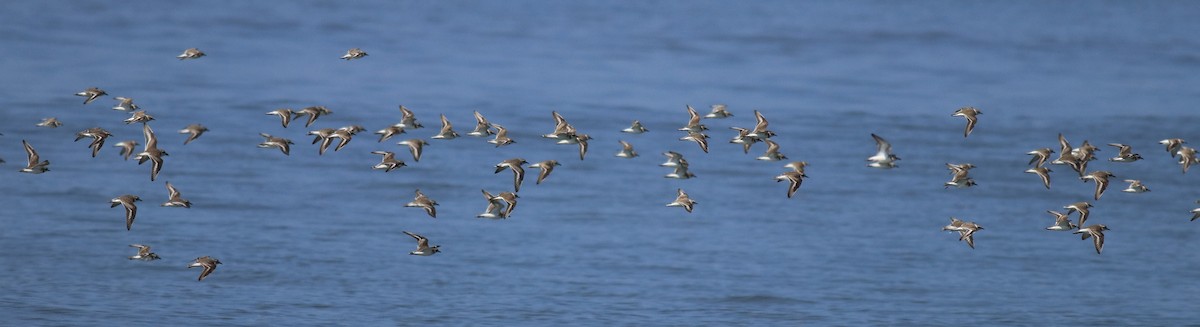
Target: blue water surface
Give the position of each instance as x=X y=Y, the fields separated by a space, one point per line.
x=316 y=240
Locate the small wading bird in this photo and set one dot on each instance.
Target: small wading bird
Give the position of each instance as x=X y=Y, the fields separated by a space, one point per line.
x=883 y=159
x=354 y=53
x=424 y=202
x=969 y=113
x=546 y=167
x=966 y=230
x=190 y=53
x=143 y=253
x=1096 y=232
x=682 y=200
x=207 y=263
x=35 y=164
x=423 y=248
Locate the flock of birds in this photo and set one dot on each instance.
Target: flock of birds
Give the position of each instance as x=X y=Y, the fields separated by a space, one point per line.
x=502 y=204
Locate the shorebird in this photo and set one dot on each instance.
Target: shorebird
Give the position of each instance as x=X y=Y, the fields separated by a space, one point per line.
x=718 y=111
x=681 y=170
x=174 y=199
x=1062 y=222
x=1043 y=173
x=139 y=116
x=190 y=53
x=35 y=164
x=673 y=159
x=415 y=146
x=546 y=167
x=447 y=132
x=127 y=200
x=127 y=147
x=1082 y=207
x=514 y=164
x=482 y=126
x=510 y=202
x=1086 y=151
x=313 y=113
x=125 y=104
x=143 y=253
x=283 y=144
x=388 y=132
x=501 y=138
x=324 y=136
x=285 y=115
x=207 y=263
x=772 y=153
x=388 y=162
x=966 y=230
x=682 y=200
x=1039 y=156
x=424 y=202
x=354 y=53
x=693 y=124
x=635 y=128
x=94 y=133
x=1065 y=153
x=151 y=152
x=626 y=150
x=194 y=131
x=1195 y=213
x=1172 y=145
x=797 y=166
x=760 y=127
x=1094 y=231
x=408 y=119
x=742 y=139
x=883 y=158
x=344 y=135
x=1135 y=186
x=699 y=138
x=495 y=207
x=581 y=140
x=960 y=179
x=50 y=122
x=1101 y=178
x=955 y=168
x=91 y=94
x=794 y=177
x=1187 y=157
x=1076 y=164
x=1125 y=153
x=969 y=113
x=98 y=135
x=564 y=132
x=423 y=248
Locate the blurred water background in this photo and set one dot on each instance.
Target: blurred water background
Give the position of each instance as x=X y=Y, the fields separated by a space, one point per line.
x=308 y=239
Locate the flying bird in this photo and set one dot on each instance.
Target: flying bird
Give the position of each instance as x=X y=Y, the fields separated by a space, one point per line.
x=884 y=158
x=1096 y=232
x=682 y=200
x=127 y=201
x=35 y=164
x=424 y=202
x=423 y=248
x=190 y=53
x=970 y=114
x=354 y=53
x=207 y=263
x=514 y=164
x=546 y=167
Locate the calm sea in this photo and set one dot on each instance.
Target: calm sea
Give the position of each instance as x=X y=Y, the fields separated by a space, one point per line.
x=316 y=240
